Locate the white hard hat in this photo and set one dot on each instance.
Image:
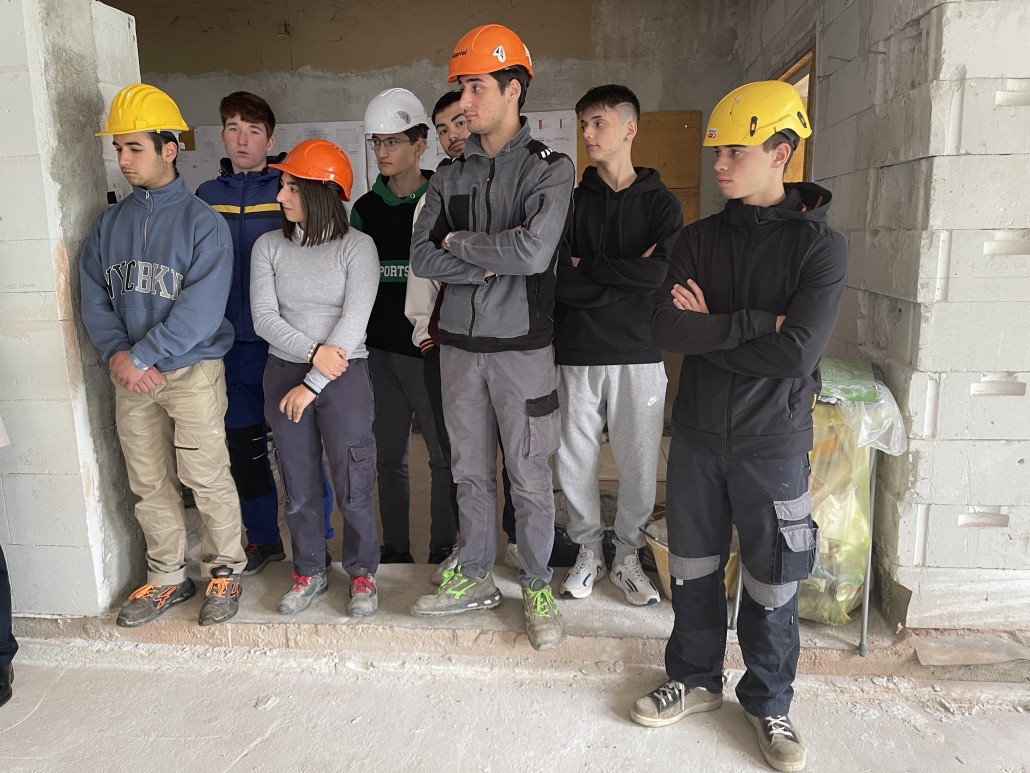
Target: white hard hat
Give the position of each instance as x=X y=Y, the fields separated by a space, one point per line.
x=393 y=111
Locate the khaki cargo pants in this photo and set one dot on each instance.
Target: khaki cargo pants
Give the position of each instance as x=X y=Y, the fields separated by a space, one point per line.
x=175 y=433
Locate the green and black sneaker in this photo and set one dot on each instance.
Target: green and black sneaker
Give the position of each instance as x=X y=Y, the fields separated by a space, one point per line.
x=459 y=593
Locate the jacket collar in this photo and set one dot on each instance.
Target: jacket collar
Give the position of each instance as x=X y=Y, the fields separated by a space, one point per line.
x=166 y=194
x=225 y=168
x=473 y=147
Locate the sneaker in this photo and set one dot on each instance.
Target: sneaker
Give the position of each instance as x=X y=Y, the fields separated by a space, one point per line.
x=459 y=593
x=304 y=591
x=637 y=586
x=222 y=597
x=446 y=565
x=149 y=601
x=587 y=570
x=511 y=555
x=671 y=702
x=438 y=555
x=391 y=556
x=364 y=598
x=780 y=743
x=259 y=555
x=542 y=624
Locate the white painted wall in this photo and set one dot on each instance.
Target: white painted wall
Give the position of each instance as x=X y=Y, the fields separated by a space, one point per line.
x=65 y=519
x=922 y=132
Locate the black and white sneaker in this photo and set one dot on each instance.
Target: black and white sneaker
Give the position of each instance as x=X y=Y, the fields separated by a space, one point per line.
x=637 y=586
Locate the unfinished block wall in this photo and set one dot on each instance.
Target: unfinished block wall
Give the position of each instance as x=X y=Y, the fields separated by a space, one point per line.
x=65 y=515
x=922 y=133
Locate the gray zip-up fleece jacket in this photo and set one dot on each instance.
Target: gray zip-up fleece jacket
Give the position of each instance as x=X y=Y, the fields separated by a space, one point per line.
x=155 y=279
x=482 y=200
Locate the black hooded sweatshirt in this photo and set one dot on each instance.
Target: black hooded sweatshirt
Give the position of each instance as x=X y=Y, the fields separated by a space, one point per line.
x=603 y=307
x=746 y=390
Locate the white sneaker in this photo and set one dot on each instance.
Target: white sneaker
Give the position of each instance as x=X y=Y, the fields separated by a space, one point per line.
x=637 y=586
x=511 y=555
x=587 y=570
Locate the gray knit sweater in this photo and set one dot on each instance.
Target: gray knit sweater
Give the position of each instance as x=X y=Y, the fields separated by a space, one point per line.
x=302 y=295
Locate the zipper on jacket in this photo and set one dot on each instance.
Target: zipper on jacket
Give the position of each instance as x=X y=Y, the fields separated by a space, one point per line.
x=146 y=221
x=473 y=205
x=244 y=285
x=489 y=180
x=472 y=321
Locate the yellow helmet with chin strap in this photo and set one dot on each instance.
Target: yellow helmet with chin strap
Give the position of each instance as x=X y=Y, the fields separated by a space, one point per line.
x=754 y=112
x=143 y=108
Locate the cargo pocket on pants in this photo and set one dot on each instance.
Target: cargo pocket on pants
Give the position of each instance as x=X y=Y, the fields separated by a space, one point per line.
x=360 y=470
x=201 y=455
x=543 y=426
x=799 y=539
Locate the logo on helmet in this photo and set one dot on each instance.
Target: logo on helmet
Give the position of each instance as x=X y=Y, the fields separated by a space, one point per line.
x=499 y=53
x=406 y=117
x=713 y=133
x=456 y=54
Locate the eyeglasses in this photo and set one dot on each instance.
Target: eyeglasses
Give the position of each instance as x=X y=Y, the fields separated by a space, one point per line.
x=391 y=143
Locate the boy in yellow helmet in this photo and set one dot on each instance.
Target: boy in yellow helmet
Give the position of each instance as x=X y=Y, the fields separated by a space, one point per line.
x=750 y=300
x=155 y=277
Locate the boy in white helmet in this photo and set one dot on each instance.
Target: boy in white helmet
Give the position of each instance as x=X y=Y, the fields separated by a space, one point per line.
x=751 y=299
x=155 y=274
x=397 y=128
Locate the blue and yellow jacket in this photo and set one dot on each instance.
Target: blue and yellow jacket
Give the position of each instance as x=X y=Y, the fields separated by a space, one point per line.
x=247 y=202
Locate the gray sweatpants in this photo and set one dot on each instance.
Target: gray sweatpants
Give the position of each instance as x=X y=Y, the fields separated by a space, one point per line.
x=631 y=399
x=511 y=393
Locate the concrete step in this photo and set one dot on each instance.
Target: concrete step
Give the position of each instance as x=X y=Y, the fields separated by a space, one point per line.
x=604 y=633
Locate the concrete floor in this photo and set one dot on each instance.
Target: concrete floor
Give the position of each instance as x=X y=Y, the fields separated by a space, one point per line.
x=324 y=692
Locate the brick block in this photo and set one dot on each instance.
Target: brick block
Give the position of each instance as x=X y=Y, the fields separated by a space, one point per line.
x=45 y=509
x=17 y=127
x=986 y=265
x=910 y=56
x=889 y=263
x=773 y=17
x=970 y=598
x=26 y=266
x=24 y=214
x=896 y=526
x=14 y=51
x=34 y=592
x=985 y=116
x=985 y=39
x=42 y=436
x=973 y=406
x=114 y=37
x=887 y=19
x=849 y=208
x=36 y=350
x=895 y=132
x=978 y=537
x=977 y=192
x=959 y=472
x=901 y=196
x=851 y=89
x=839 y=43
x=987 y=336
x=835 y=148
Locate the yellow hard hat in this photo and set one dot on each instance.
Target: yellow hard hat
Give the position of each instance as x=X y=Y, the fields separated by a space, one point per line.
x=754 y=112
x=143 y=108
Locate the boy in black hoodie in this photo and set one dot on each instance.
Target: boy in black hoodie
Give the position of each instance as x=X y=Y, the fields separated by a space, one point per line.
x=609 y=370
x=751 y=299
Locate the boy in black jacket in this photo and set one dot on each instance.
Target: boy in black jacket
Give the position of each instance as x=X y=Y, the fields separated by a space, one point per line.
x=609 y=370
x=751 y=299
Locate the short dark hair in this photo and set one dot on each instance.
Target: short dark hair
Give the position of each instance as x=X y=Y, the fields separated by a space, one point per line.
x=250 y=107
x=324 y=214
x=515 y=73
x=444 y=102
x=609 y=96
x=417 y=132
x=786 y=136
x=160 y=139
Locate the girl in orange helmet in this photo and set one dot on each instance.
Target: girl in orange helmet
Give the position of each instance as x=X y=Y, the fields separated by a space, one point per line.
x=312 y=290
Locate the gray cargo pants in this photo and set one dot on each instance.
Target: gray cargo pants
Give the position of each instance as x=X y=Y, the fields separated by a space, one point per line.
x=514 y=394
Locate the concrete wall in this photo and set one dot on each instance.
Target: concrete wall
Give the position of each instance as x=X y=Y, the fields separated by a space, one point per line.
x=317 y=63
x=922 y=132
x=65 y=519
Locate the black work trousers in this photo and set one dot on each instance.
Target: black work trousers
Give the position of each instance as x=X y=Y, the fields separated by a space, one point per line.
x=8 y=645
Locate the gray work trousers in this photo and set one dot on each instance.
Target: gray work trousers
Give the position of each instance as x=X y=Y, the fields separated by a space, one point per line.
x=631 y=400
x=514 y=394
x=400 y=391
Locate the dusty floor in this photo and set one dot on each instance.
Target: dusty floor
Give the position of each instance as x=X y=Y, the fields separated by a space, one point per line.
x=151 y=710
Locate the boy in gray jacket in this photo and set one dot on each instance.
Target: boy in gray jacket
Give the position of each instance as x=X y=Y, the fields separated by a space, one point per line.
x=155 y=278
x=491 y=228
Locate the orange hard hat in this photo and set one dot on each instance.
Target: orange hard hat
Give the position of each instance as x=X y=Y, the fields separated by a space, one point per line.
x=319 y=160
x=488 y=49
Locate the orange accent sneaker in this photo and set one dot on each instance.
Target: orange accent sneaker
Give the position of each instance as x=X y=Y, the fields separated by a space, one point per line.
x=150 y=601
x=222 y=597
